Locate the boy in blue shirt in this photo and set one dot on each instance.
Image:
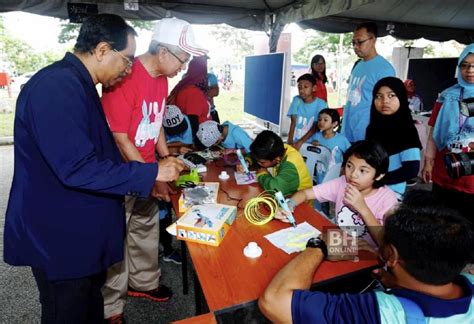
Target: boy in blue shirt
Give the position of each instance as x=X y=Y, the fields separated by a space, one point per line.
x=230 y=136
x=303 y=111
x=177 y=126
x=328 y=120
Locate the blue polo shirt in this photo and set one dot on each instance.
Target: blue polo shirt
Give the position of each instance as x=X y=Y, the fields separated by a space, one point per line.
x=395 y=162
x=380 y=307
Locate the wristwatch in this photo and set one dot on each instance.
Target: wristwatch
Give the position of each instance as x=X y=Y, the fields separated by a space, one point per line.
x=316 y=242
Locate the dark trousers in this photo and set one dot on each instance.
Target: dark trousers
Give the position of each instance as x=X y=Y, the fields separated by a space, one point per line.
x=165 y=237
x=71 y=301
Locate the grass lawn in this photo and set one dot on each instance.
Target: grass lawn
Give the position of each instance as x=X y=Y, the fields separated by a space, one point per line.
x=6 y=124
x=230 y=105
x=7 y=113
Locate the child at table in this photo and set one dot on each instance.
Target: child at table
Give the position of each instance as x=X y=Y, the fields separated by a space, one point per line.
x=303 y=111
x=230 y=136
x=328 y=120
x=361 y=198
x=289 y=172
x=178 y=132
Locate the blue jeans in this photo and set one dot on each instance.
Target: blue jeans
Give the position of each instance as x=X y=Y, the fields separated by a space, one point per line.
x=71 y=301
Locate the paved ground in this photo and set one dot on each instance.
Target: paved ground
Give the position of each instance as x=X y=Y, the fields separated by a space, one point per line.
x=19 y=296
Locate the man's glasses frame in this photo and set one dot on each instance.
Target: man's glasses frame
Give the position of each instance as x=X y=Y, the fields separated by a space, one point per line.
x=176 y=56
x=358 y=42
x=129 y=61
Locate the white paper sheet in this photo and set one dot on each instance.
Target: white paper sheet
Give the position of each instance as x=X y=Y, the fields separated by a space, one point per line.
x=243 y=179
x=293 y=239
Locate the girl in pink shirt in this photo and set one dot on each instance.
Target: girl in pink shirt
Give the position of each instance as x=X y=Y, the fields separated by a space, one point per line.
x=361 y=198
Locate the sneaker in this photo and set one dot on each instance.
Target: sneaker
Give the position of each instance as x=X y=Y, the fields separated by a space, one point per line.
x=116 y=319
x=160 y=294
x=173 y=257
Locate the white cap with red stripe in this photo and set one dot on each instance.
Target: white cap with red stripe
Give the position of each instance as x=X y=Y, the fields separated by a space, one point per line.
x=177 y=32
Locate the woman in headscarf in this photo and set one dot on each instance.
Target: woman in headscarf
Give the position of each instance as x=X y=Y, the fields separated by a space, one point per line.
x=318 y=70
x=452 y=131
x=392 y=125
x=190 y=94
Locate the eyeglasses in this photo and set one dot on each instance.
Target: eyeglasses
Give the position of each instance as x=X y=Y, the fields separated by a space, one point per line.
x=466 y=66
x=176 y=56
x=358 y=42
x=128 y=61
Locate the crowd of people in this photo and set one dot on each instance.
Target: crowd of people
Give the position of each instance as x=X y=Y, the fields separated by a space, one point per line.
x=93 y=237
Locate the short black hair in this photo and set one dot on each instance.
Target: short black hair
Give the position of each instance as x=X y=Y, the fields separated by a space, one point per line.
x=373 y=153
x=332 y=113
x=434 y=242
x=267 y=146
x=307 y=77
x=108 y=28
x=371 y=28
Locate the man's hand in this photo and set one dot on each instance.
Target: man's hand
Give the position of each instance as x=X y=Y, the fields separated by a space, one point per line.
x=169 y=169
x=162 y=191
x=184 y=149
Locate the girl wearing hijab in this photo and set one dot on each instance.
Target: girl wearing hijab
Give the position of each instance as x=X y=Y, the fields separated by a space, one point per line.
x=452 y=131
x=318 y=70
x=392 y=126
x=190 y=94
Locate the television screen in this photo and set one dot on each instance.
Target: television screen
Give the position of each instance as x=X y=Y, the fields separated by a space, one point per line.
x=264 y=86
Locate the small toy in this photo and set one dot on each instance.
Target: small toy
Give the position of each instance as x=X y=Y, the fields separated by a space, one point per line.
x=187 y=180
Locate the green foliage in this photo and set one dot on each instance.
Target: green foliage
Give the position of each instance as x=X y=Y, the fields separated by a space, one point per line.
x=19 y=54
x=429 y=50
x=69 y=31
x=319 y=41
x=236 y=40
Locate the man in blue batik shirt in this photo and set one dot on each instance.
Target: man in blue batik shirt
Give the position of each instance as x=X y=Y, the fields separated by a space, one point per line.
x=370 y=68
x=65 y=217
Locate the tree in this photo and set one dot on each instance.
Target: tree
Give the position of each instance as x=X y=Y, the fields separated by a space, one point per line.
x=19 y=54
x=69 y=31
x=320 y=41
x=234 y=39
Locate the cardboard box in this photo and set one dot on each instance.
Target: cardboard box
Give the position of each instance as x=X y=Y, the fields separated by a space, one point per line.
x=206 y=224
x=212 y=199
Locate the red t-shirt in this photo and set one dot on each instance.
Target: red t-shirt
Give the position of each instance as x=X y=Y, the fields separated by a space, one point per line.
x=320 y=91
x=136 y=106
x=192 y=101
x=440 y=175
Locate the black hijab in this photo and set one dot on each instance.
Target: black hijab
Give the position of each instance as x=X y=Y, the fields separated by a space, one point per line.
x=395 y=132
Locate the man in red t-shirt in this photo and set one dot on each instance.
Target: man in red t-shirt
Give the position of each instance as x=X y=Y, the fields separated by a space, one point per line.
x=134 y=111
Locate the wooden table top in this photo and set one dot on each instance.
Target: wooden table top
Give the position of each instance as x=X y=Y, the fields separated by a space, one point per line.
x=228 y=277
